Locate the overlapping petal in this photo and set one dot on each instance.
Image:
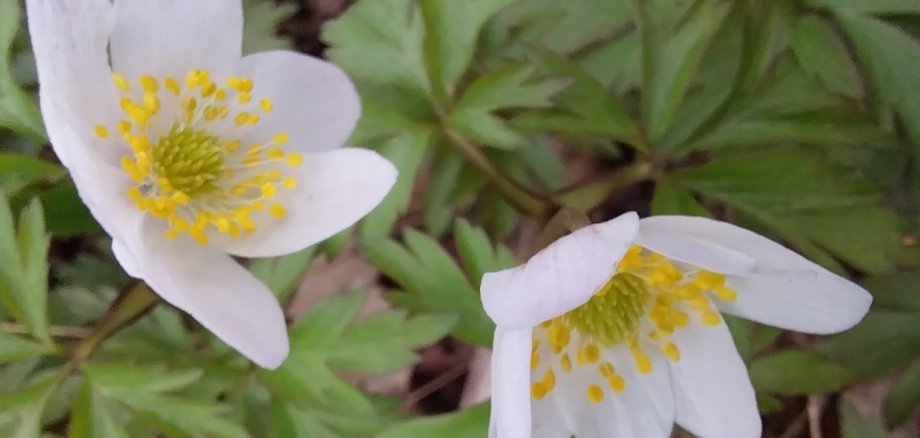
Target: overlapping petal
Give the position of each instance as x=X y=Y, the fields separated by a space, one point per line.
x=511 y=417
x=171 y=37
x=559 y=278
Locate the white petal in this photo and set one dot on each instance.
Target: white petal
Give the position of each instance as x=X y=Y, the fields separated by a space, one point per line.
x=510 y=416
x=70 y=42
x=692 y=250
x=785 y=289
x=171 y=37
x=334 y=190
x=713 y=393
x=559 y=278
x=313 y=101
x=644 y=409
x=216 y=291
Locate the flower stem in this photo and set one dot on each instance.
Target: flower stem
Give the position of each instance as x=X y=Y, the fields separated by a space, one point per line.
x=522 y=199
x=133 y=303
x=587 y=197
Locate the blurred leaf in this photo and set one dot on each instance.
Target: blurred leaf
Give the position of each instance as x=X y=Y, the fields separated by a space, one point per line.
x=406 y=152
x=65 y=213
x=282 y=274
x=794 y=372
x=260 y=25
x=883 y=342
x=469 y=423
x=904 y=398
x=822 y=53
x=20 y=411
x=673 y=67
x=91 y=416
x=15 y=348
x=445 y=177
x=890 y=56
x=20 y=171
x=17 y=110
x=149 y=392
x=452 y=30
x=431 y=282
x=853 y=425
x=24 y=267
x=870 y=7
x=509 y=87
x=671 y=199
x=895 y=292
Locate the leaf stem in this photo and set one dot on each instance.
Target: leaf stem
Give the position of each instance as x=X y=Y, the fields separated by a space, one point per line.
x=586 y=197
x=133 y=303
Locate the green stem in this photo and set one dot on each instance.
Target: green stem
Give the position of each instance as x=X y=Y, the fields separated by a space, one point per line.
x=130 y=305
x=587 y=197
x=525 y=201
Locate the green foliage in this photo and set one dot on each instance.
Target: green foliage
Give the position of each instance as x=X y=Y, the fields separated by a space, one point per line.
x=18 y=111
x=471 y=423
x=798 y=372
x=24 y=267
x=260 y=25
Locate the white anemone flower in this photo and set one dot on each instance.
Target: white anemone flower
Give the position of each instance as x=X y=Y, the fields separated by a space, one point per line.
x=615 y=330
x=188 y=153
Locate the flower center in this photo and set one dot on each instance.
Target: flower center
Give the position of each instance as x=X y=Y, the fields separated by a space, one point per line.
x=193 y=157
x=641 y=306
x=613 y=314
x=191 y=160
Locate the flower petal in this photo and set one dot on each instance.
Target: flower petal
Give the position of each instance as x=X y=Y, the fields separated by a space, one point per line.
x=655 y=236
x=510 y=416
x=713 y=393
x=784 y=289
x=334 y=190
x=559 y=278
x=313 y=101
x=70 y=40
x=216 y=291
x=171 y=37
x=644 y=409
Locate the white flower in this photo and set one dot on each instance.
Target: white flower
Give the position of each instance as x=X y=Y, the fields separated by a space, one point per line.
x=615 y=330
x=188 y=154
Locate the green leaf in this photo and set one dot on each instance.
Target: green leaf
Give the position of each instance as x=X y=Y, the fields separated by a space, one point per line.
x=149 y=392
x=380 y=41
x=24 y=267
x=794 y=372
x=889 y=55
x=870 y=7
x=510 y=87
x=21 y=410
x=20 y=171
x=15 y=348
x=904 y=398
x=282 y=274
x=17 y=110
x=672 y=199
x=853 y=425
x=673 y=68
x=883 y=342
x=895 y=292
x=91 y=416
x=260 y=25
x=65 y=213
x=470 y=423
x=821 y=52
x=452 y=31
x=446 y=172
x=406 y=152
x=478 y=254
x=431 y=282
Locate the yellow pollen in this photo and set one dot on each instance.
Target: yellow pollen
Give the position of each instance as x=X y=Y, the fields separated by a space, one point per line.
x=281 y=138
x=266 y=105
x=710 y=318
x=172 y=85
x=121 y=83
x=566 y=363
x=595 y=394
x=671 y=351
x=269 y=190
x=149 y=84
x=606 y=369
x=725 y=293
x=275 y=153
x=534 y=360
x=102 y=131
x=616 y=383
x=537 y=390
x=290 y=183
x=277 y=210
x=294 y=159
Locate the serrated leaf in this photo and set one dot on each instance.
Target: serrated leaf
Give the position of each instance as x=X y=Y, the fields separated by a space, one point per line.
x=889 y=55
x=477 y=252
x=470 y=423
x=822 y=53
x=18 y=111
x=445 y=177
x=793 y=372
x=406 y=152
x=431 y=282
x=904 y=398
x=564 y=27
x=452 y=30
x=281 y=274
x=883 y=342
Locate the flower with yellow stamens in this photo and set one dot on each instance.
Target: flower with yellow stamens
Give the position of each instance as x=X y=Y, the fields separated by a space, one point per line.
x=615 y=330
x=188 y=153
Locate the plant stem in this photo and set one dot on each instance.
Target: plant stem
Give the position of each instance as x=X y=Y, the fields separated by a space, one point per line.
x=133 y=303
x=522 y=199
x=587 y=197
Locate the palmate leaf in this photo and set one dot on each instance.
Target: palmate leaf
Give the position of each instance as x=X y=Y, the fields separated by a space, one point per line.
x=308 y=395
x=21 y=410
x=24 y=267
